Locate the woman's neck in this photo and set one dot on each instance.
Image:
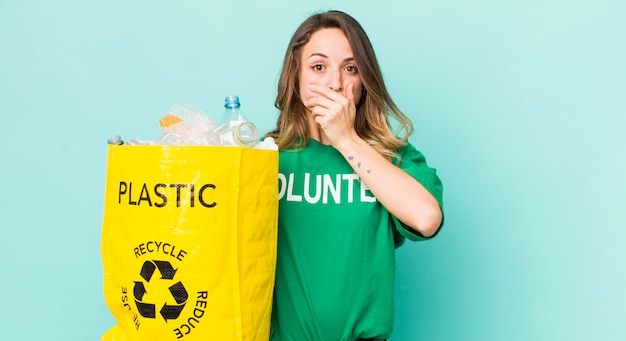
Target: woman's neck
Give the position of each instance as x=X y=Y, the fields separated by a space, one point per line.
x=316 y=132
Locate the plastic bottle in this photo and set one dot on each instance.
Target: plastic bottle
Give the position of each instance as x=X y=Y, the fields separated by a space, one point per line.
x=233 y=128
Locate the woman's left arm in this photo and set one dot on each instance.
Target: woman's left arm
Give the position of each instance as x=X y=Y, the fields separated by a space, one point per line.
x=402 y=195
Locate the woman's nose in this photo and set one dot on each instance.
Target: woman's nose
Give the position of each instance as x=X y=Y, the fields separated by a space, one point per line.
x=335 y=82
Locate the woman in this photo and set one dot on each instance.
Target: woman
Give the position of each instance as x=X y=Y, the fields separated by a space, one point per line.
x=350 y=190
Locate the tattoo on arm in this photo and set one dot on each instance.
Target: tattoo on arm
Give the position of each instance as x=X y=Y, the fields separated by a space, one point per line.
x=358 y=164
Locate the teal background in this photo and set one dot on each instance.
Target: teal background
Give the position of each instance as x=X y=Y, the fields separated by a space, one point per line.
x=520 y=105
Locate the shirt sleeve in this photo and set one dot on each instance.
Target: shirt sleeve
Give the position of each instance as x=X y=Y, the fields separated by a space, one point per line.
x=414 y=163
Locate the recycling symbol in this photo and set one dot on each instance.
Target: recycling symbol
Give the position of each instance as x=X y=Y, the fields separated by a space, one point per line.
x=177 y=290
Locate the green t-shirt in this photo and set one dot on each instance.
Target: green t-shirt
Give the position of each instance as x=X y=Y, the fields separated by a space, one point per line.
x=336 y=262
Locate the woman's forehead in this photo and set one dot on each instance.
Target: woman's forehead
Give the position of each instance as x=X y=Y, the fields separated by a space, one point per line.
x=328 y=42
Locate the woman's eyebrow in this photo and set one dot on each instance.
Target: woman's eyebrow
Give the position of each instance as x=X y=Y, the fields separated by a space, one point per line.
x=319 y=54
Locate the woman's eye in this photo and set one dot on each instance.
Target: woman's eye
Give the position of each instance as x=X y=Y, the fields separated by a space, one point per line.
x=318 y=67
x=351 y=69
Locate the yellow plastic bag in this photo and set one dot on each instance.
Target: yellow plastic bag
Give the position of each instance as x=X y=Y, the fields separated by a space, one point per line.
x=189 y=242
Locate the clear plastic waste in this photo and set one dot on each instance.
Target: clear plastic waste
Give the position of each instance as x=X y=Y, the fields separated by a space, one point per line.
x=268 y=143
x=115 y=139
x=139 y=142
x=185 y=124
x=233 y=127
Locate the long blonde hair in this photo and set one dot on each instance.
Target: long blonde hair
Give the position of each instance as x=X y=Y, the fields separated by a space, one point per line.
x=375 y=108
